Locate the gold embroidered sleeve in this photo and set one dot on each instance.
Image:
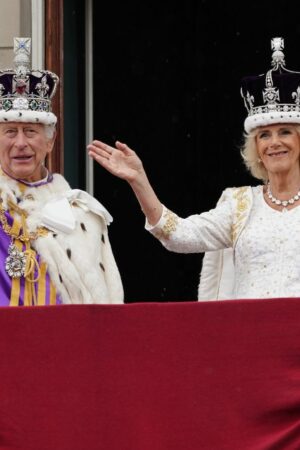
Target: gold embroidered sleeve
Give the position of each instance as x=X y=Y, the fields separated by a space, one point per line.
x=167 y=226
x=170 y=225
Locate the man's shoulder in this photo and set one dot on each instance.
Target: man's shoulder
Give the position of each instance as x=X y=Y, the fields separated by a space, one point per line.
x=60 y=182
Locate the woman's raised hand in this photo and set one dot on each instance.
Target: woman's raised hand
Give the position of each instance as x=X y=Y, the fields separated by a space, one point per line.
x=124 y=163
x=120 y=160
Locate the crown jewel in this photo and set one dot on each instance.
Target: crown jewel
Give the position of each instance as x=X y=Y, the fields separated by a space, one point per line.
x=277 y=45
x=25 y=95
x=272 y=97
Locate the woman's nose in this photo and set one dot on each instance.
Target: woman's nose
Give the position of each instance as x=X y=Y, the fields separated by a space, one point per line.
x=274 y=140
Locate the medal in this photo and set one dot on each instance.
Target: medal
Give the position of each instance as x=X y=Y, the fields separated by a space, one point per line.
x=15 y=262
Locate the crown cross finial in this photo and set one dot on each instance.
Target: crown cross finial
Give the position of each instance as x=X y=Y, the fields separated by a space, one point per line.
x=277 y=45
x=22 y=49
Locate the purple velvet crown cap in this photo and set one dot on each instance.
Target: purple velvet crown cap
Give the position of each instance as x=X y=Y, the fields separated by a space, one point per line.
x=273 y=97
x=25 y=94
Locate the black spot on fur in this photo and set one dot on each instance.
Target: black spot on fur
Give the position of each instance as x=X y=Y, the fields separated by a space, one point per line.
x=83 y=226
x=60 y=278
x=69 y=253
x=20 y=114
x=5 y=118
x=103 y=238
x=102 y=267
x=54 y=235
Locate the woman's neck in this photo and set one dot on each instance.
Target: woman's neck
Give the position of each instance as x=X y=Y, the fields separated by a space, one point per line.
x=283 y=184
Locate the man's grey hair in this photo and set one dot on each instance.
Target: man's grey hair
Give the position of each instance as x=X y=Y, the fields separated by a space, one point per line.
x=50 y=130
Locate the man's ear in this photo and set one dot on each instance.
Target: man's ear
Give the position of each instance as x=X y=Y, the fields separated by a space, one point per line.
x=51 y=142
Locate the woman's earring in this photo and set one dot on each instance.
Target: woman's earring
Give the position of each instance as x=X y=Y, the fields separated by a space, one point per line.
x=259 y=160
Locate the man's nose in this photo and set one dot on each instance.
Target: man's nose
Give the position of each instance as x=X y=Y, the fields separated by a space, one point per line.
x=20 y=140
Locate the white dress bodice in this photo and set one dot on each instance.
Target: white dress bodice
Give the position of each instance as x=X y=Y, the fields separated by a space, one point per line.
x=267 y=257
x=262 y=245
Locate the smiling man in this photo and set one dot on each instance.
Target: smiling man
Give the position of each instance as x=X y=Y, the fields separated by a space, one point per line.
x=54 y=245
x=23 y=149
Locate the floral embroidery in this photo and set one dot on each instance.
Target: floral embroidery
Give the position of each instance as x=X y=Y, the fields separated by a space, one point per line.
x=170 y=225
x=242 y=206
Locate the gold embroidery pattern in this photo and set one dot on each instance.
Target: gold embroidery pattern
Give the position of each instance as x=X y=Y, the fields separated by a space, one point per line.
x=242 y=205
x=170 y=223
x=24 y=236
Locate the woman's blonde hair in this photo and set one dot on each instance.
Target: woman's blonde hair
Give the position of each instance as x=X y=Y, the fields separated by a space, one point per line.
x=250 y=155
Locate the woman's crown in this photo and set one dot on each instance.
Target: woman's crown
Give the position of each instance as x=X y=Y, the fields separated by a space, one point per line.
x=273 y=97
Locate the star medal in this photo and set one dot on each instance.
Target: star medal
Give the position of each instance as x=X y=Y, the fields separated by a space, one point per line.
x=15 y=262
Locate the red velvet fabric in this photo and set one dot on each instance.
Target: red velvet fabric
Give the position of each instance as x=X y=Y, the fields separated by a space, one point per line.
x=175 y=376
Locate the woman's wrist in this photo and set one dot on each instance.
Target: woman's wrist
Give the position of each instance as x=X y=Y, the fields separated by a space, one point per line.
x=140 y=181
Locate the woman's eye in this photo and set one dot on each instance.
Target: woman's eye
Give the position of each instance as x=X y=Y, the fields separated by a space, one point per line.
x=263 y=135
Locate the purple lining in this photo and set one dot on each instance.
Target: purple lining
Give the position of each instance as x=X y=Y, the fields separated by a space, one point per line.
x=5 y=239
x=34 y=184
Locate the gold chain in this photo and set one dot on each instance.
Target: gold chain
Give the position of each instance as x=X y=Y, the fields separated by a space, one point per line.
x=24 y=236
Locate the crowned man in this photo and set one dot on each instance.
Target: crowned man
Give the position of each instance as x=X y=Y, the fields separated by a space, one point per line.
x=54 y=245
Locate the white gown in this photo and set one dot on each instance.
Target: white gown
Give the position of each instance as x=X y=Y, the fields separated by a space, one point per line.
x=267 y=251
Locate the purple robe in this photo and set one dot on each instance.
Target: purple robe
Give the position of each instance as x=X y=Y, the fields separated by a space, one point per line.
x=6 y=280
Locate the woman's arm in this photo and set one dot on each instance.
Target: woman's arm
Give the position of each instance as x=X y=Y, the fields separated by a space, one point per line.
x=124 y=163
x=197 y=233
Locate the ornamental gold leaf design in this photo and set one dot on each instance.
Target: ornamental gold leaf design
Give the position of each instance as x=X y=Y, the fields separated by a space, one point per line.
x=242 y=205
x=170 y=225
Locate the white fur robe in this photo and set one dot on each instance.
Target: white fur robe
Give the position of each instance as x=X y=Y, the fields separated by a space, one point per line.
x=76 y=250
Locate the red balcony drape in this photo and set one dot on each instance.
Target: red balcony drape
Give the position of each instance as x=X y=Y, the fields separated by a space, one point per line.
x=172 y=376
